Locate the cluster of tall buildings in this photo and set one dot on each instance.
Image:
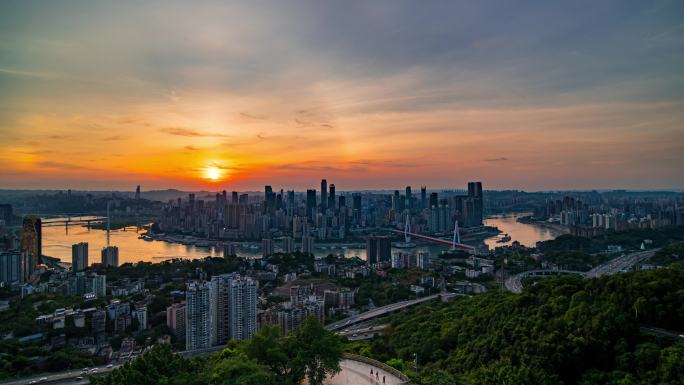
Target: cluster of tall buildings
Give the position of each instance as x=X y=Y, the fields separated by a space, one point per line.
x=240 y=216
x=215 y=311
x=468 y=210
x=19 y=261
x=298 y=219
x=79 y=256
x=597 y=212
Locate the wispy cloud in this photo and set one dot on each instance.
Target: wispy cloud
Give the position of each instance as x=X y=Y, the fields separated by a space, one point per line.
x=501 y=159
x=60 y=165
x=189 y=132
x=34 y=74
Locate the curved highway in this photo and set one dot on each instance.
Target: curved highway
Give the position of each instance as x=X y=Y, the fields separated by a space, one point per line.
x=383 y=310
x=614 y=266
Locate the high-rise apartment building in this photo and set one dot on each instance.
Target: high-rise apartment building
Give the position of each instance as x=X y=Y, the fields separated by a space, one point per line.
x=98 y=284
x=229 y=249
x=175 y=319
x=288 y=245
x=234 y=301
x=32 y=242
x=110 y=256
x=266 y=247
x=198 y=315
x=12 y=265
x=79 y=256
x=307 y=244
x=378 y=249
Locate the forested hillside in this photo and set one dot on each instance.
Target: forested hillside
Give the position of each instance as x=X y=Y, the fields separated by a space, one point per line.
x=560 y=331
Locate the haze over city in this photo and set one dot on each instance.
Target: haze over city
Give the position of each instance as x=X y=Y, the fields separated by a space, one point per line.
x=236 y=95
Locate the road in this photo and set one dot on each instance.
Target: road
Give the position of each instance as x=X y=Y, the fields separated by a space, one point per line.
x=617 y=265
x=620 y=264
x=383 y=310
x=352 y=373
x=71 y=376
x=514 y=283
x=662 y=332
x=358 y=373
x=362 y=333
x=68 y=377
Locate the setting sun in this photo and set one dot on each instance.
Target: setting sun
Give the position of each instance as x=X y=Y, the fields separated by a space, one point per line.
x=213 y=173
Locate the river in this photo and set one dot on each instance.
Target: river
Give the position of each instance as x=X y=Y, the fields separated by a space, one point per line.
x=527 y=234
x=57 y=241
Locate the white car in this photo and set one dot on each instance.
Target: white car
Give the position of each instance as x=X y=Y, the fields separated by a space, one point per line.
x=110 y=366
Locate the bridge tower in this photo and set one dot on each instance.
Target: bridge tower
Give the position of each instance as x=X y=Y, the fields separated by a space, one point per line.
x=457 y=236
x=407 y=229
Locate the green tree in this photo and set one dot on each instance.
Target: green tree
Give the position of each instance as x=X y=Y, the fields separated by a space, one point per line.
x=319 y=349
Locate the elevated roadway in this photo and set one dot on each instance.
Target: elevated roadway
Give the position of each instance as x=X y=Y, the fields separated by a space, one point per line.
x=617 y=265
x=384 y=310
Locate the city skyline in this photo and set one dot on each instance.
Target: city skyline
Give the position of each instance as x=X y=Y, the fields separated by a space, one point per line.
x=216 y=95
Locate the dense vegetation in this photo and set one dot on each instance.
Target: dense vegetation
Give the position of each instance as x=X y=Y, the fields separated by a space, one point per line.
x=267 y=359
x=562 y=330
x=671 y=254
x=579 y=253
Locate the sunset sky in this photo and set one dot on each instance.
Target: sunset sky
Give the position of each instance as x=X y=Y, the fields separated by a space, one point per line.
x=368 y=94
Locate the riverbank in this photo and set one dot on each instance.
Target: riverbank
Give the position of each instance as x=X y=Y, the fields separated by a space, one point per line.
x=553 y=226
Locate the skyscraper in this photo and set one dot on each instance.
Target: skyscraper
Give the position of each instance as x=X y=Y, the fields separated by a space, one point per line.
x=234 y=300
x=137 y=192
x=110 y=256
x=324 y=195
x=198 y=316
x=310 y=204
x=475 y=189
x=79 y=256
x=378 y=249
x=32 y=242
x=266 y=247
x=409 y=198
x=243 y=307
x=395 y=200
x=474 y=206
x=423 y=197
x=11 y=267
x=331 y=197
x=356 y=209
x=434 y=199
